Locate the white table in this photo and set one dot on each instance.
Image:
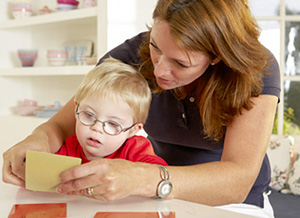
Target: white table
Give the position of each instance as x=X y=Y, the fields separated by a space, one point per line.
x=82 y=207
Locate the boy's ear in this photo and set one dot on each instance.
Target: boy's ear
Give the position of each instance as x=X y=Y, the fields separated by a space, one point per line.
x=76 y=103
x=135 y=129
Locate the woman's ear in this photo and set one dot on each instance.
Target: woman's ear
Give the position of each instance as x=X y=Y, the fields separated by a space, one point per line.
x=216 y=60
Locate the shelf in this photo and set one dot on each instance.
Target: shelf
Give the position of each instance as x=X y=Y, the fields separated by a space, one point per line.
x=47 y=71
x=51 y=18
x=16 y=118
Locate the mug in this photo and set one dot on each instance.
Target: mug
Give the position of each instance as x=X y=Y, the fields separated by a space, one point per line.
x=89 y=3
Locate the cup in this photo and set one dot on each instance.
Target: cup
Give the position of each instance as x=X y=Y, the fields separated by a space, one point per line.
x=89 y=3
x=27 y=56
x=29 y=102
x=57 y=57
x=21 y=9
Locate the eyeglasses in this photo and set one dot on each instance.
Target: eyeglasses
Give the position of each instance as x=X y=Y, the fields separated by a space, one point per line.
x=109 y=127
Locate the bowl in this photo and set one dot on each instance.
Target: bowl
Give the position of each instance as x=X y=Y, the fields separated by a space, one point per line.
x=46 y=113
x=21 y=13
x=57 y=53
x=27 y=56
x=49 y=110
x=91 y=60
x=57 y=57
x=57 y=61
x=65 y=7
x=45 y=10
x=68 y=2
x=21 y=9
x=89 y=3
x=29 y=102
x=28 y=110
x=19 y=6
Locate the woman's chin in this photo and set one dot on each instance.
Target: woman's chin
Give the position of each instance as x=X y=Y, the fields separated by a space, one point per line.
x=165 y=86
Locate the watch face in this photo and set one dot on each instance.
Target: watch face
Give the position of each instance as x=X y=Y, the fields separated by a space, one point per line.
x=164 y=188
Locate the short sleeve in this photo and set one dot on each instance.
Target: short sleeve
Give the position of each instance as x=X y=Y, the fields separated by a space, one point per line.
x=271 y=79
x=127 y=52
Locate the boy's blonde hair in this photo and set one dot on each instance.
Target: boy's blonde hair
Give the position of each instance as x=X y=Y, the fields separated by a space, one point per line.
x=118 y=81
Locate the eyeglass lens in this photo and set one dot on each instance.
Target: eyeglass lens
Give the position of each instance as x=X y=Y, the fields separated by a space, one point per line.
x=89 y=119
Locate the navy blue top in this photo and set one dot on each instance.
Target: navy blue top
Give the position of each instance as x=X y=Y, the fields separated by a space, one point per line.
x=174 y=127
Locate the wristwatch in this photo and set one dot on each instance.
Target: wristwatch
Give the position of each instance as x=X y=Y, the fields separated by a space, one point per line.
x=164 y=187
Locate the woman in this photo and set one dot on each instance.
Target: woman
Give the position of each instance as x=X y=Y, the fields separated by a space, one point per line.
x=215 y=89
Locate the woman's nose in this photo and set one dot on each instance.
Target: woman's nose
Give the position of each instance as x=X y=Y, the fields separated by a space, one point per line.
x=162 y=67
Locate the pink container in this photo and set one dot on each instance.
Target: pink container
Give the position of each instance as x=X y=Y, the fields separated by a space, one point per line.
x=29 y=102
x=21 y=9
x=21 y=6
x=28 y=110
x=57 y=53
x=89 y=3
x=91 y=60
x=68 y=2
x=27 y=56
x=57 y=57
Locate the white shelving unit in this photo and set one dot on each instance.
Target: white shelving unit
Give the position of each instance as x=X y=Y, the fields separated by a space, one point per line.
x=44 y=83
x=83 y=13
x=107 y=25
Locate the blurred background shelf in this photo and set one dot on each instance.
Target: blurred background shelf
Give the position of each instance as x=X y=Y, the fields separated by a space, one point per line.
x=77 y=15
x=46 y=71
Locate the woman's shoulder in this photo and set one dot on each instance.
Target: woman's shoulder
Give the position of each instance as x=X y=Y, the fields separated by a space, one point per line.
x=271 y=79
x=272 y=63
x=128 y=51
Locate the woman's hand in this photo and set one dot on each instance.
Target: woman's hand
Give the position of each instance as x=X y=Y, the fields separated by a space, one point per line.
x=110 y=179
x=47 y=137
x=13 y=170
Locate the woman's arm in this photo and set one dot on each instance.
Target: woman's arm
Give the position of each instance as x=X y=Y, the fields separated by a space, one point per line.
x=230 y=180
x=47 y=137
x=217 y=183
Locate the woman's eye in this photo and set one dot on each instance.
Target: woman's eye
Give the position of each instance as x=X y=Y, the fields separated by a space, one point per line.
x=154 y=46
x=181 y=65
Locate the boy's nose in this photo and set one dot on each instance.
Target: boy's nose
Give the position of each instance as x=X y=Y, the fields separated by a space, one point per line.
x=98 y=127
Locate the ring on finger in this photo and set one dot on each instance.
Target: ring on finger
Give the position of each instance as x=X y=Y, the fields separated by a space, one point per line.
x=90 y=191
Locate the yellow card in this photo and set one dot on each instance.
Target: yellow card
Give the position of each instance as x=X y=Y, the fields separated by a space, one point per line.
x=42 y=170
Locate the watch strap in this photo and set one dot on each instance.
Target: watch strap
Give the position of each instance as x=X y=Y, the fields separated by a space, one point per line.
x=164 y=187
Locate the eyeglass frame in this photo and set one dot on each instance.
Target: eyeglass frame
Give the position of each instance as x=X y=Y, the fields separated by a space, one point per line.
x=102 y=122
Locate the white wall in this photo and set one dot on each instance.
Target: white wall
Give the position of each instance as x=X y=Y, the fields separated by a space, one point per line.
x=127 y=18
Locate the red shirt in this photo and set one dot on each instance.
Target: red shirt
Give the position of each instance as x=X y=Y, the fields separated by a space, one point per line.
x=135 y=149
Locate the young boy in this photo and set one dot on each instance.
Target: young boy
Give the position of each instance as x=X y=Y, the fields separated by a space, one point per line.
x=112 y=103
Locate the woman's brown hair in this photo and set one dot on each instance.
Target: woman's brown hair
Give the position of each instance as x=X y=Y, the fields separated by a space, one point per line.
x=219 y=28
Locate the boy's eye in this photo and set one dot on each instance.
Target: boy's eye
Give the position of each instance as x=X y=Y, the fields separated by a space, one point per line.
x=89 y=115
x=112 y=123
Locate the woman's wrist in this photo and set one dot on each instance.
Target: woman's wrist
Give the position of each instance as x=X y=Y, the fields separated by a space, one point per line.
x=165 y=186
x=149 y=178
x=48 y=137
